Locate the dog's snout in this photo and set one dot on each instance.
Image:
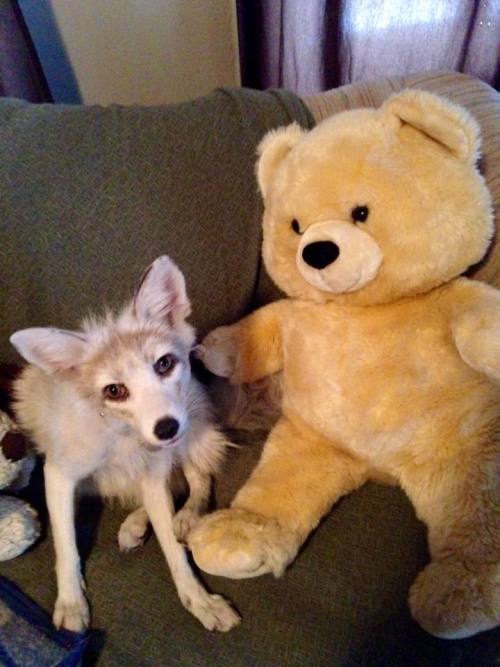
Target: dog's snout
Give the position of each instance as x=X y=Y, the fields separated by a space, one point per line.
x=320 y=254
x=166 y=428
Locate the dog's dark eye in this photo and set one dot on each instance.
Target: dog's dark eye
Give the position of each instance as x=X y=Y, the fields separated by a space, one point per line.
x=165 y=364
x=360 y=213
x=115 y=392
x=295 y=226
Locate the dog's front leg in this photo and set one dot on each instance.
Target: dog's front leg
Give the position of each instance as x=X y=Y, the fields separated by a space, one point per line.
x=71 y=610
x=212 y=611
x=187 y=517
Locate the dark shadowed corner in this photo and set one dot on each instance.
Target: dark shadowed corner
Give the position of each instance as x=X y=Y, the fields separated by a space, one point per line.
x=49 y=51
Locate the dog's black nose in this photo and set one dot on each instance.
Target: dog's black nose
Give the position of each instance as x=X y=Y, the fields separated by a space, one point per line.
x=166 y=428
x=320 y=254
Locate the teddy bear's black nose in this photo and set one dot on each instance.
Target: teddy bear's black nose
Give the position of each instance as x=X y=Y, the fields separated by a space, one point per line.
x=320 y=254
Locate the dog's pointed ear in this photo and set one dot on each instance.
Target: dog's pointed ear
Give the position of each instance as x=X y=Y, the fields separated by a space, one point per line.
x=273 y=149
x=446 y=123
x=161 y=295
x=51 y=349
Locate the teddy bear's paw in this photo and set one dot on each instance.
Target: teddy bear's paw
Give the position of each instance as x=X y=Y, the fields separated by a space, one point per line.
x=453 y=600
x=238 y=544
x=219 y=351
x=71 y=613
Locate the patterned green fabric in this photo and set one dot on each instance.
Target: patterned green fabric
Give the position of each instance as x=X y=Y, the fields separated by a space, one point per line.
x=89 y=196
x=341 y=604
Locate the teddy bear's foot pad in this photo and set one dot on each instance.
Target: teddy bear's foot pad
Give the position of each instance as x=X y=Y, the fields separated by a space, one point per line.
x=453 y=601
x=238 y=544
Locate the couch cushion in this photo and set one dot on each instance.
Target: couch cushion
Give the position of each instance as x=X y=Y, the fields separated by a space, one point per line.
x=342 y=602
x=89 y=196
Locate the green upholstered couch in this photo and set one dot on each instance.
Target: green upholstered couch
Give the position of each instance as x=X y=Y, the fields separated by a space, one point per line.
x=88 y=197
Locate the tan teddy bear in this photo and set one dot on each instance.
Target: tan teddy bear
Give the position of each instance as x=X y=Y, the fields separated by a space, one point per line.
x=390 y=360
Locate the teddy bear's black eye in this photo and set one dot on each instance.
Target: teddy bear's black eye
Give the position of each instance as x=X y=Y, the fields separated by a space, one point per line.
x=296 y=227
x=360 y=213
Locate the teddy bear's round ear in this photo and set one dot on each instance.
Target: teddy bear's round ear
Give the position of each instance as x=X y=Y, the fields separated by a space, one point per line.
x=446 y=123
x=273 y=149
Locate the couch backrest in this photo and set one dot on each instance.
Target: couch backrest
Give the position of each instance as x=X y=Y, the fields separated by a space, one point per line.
x=89 y=196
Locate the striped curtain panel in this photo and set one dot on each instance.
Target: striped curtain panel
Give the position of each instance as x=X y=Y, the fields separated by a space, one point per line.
x=310 y=46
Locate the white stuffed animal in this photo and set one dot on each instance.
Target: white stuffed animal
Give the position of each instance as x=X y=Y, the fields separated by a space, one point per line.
x=19 y=526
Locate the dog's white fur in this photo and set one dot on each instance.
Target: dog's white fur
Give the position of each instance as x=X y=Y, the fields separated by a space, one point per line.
x=112 y=443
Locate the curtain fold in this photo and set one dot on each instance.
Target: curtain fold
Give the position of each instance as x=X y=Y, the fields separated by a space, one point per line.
x=20 y=72
x=319 y=44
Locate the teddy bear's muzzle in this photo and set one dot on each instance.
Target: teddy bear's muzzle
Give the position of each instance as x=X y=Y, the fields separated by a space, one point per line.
x=338 y=257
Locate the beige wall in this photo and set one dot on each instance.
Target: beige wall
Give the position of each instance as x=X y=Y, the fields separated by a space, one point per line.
x=149 y=51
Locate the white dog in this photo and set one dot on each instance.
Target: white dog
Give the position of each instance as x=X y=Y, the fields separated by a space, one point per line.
x=115 y=404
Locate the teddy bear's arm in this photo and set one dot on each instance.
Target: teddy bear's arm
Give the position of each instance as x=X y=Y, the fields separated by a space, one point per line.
x=251 y=348
x=476 y=329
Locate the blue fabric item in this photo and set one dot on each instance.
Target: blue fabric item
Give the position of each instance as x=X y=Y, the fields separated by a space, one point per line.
x=28 y=637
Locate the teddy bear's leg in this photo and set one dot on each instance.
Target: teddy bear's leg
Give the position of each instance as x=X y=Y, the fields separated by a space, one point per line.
x=298 y=478
x=458 y=594
x=71 y=609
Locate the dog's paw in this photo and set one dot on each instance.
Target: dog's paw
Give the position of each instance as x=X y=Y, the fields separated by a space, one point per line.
x=238 y=544
x=184 y=522
x=132 y=532
x=71 y=613
x=213 y=611
x=219 y=351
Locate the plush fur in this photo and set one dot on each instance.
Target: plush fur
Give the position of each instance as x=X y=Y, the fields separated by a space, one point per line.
x=390 y=359
x=125 y=447
x=19 y=525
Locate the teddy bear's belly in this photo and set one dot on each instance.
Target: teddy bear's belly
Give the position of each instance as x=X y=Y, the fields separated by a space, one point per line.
x=373 y=391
